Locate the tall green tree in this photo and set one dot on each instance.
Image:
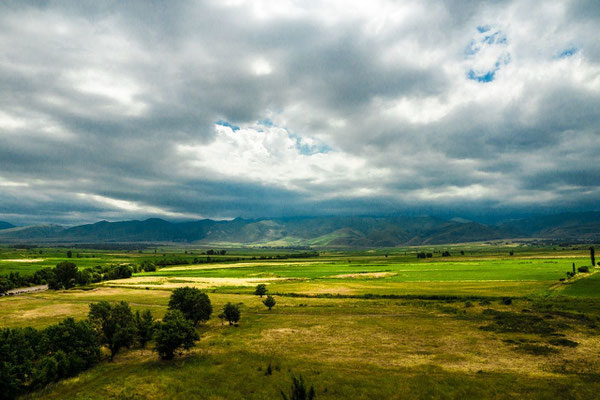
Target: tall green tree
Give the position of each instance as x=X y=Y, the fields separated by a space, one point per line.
x=114 y=324
x=17 y=352
x=232 y=313
x=65 y=275
x=261 y=290
x=193 y=304
x=173 y=333
x=144 y=324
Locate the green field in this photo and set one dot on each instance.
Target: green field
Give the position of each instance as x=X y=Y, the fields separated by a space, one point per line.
x=356 y=324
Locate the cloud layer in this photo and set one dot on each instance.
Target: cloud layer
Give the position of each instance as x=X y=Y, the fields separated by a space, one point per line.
x=278 y=108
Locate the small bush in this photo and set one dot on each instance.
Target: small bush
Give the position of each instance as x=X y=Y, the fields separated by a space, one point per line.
x=507 y=301
x=535 y=349
x=269 y=302
x=563 y=342
x=583 y=269
x=298 y=390
x=505 y=322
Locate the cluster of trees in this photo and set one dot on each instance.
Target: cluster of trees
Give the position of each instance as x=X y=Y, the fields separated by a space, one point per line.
x=261 y=290
x=65 y=276
x=307 y=254
x=30 y=358
x=216 y=252
x=147 y=266
x=424 y=255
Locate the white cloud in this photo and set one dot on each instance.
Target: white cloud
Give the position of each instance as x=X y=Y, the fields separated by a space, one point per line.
x=270 y=155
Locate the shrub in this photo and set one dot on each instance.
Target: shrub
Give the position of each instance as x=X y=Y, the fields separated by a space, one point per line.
x=148 y=266
x=298 y=390
x=77 y=340
x=30 y=359
x=507 y=301
x=194 y=304
x=173 y=333
x=269 y=302
x=563 y=342
x=536 y=349
x=583 y=269
x=232 y=313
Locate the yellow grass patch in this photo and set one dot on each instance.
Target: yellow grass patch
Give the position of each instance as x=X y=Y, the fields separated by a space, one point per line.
x=198 y=282
x=235 y=265
x=367 y=275
x=55 y=311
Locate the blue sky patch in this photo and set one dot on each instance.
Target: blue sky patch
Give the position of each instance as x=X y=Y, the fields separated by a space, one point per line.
x=568 y=52
x=309 y=150
x=265 y=122
x=472 y=48
x=487 y=39
x=227 y=124
x=488 y=76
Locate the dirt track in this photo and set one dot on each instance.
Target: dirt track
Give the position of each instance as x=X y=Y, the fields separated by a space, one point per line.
x=15 y=292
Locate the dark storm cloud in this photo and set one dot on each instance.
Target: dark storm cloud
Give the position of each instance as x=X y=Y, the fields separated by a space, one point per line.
x=108 y=109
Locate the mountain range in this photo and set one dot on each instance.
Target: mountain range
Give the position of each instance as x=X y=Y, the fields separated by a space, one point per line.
x=364 y=231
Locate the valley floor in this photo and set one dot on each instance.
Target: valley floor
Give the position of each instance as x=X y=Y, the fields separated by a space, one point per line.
x=400 y=330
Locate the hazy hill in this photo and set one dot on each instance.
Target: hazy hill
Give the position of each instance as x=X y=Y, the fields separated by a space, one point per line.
x=30 y=233
x=582 y=225
x=315 y=231
x=5 y=225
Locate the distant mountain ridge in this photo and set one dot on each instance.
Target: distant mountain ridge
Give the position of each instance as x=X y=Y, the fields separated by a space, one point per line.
x=337 y=231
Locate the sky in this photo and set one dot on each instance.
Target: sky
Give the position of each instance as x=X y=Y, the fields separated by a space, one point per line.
x=220 y=109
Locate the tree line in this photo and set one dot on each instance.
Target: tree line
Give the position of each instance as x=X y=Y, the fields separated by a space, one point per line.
x=65 y=276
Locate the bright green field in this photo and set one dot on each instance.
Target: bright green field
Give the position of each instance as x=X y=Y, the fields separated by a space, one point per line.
x=413 y=345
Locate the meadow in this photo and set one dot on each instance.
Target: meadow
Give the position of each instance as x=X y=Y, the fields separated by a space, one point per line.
x=368 y=324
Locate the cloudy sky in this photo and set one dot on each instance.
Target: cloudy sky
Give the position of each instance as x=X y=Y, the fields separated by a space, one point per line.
x=217 y=109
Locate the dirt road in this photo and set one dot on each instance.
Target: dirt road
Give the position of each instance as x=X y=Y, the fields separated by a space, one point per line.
x=15 y=292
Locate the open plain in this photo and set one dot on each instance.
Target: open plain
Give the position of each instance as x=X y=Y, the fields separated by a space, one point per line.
x=479 y=323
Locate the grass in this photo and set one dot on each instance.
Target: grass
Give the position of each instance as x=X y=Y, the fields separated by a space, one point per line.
x=356 y=325
x=589 y=286
x=347 y=348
